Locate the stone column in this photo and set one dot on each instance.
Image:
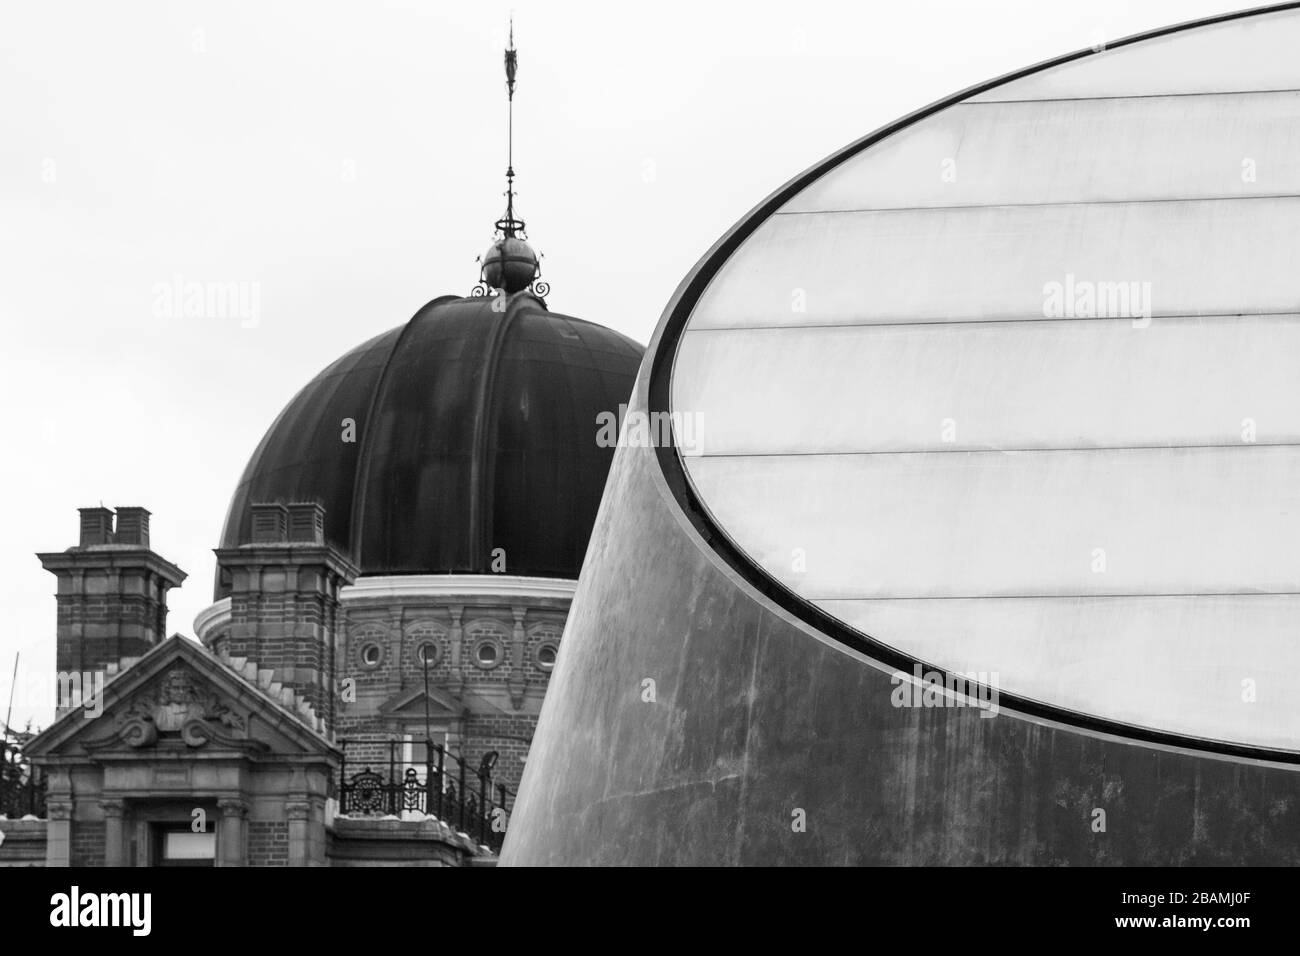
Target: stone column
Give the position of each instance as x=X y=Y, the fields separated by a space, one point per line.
x=516 y=683
x=299 y=812
x=114 y=834
x=230 y=833
x=457 y=639
x=58 y=832
x=338 y=645
x=395 y=641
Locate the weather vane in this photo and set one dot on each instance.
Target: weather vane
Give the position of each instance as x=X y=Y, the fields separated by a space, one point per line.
x=510 y=265
x=509 y=225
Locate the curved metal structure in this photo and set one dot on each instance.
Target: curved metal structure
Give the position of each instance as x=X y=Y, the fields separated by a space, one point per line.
x=982 y=394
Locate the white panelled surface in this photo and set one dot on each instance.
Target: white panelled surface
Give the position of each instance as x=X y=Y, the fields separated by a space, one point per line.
x=1017 y=389
x=1045 y=152
x=965 y=263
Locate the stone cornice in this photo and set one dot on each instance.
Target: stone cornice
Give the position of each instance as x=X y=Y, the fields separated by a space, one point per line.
x=287 y=553
x=497 y=587
x=210 y=618
x=400 y=588
x=124 y=557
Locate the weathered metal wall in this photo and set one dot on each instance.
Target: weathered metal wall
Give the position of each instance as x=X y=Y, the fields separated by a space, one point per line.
x=755 y=717
x=904 y=455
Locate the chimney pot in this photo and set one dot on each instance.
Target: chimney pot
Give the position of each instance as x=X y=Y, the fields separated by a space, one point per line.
x=270 y=523
x=96 y=526
x=132 y=527
x=307 y=522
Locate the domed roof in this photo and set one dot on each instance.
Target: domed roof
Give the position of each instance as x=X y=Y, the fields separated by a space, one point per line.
x=475 y=429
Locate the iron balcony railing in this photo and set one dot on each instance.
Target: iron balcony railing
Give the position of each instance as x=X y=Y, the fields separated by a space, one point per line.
x=22 y=786
x=450 y=789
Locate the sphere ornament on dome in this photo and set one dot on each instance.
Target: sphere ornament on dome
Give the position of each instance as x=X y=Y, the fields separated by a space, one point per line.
x=510 y=265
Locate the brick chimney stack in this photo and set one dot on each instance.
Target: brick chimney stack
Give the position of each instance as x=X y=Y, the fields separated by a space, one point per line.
x=284 y=600
x=112 y=591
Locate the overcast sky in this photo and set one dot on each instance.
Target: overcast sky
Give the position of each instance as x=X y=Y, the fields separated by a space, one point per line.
x=344 y=161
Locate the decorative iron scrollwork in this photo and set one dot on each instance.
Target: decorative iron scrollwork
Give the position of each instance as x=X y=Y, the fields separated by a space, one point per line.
x=468 y=805
x=367 y=792
x=412 y=791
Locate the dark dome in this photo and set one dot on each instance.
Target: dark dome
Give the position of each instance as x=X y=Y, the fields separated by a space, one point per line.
x=475 y=429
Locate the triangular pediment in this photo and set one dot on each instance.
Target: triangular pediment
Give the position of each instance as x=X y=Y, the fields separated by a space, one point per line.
x=410 y=704
x=178 y=697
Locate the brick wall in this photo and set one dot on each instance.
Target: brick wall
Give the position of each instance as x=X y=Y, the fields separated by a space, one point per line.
x=268 y=843
x=24 y=843
x=505 y=733
x=399 y=667
x=369 y=750
x=398 y=632
x=87 y=843
x=105 y=614
x=95 y=630
x=287 y=633
x=283 y=615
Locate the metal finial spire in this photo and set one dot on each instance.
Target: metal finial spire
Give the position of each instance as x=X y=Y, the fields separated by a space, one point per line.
x=510 y=265
x=508 y=224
